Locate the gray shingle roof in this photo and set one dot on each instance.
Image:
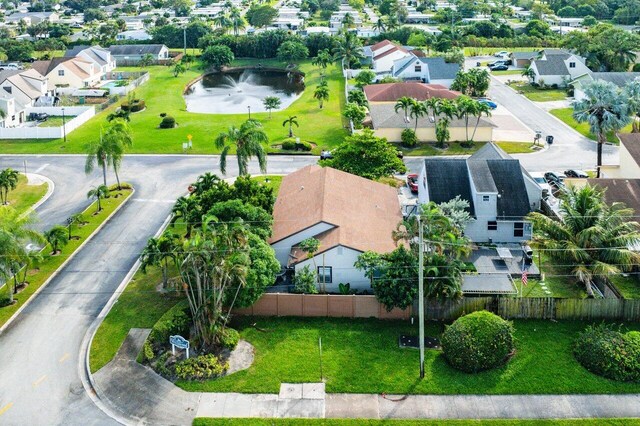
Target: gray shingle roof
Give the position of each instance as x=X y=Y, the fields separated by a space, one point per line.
x=620 y=79
x=439 y=69
x=481 y=175
x=525 y=55
x=507 y=177
x=553 y=65
x=135 y=49
x=447 y=178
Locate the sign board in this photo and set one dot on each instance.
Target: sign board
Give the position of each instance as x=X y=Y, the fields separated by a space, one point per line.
x=180 y=342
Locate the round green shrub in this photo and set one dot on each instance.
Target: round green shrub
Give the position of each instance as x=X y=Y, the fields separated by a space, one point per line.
x=609 y=353
x=409 y=138
x=292 y=145
x=478 y=341
x=289 y=145
x=200 y=368
x=229 y=338
x=168 y=122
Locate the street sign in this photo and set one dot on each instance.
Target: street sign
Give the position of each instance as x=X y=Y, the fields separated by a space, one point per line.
x=180 y=342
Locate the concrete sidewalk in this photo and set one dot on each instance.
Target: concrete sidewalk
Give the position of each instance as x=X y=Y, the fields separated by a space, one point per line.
x=138 y=394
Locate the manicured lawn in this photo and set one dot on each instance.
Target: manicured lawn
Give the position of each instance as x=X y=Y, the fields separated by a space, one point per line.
x=507 y=72
x=25 y=196
x=556 y=280
x=54 y=121
x=362 y=355
x=455 y=148
x=130 y=311
x=566 y=116
x=163 y=94
x=481 y=51
x=539 y=95
x=51 y=263
x=203 y=421
x=274 y=181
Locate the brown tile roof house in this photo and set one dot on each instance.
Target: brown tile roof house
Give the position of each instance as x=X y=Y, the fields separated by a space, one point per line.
x=390 y=51
x=380 y=45
x=625 y=191
x=631 y=142
x=71 y=63
x=391 y=92
x=361 y=214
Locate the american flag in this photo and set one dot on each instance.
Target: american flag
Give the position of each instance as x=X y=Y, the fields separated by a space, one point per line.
x=525 y=280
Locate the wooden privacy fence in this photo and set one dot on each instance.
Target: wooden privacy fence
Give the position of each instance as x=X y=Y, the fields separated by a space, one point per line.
x=321 y=305
x=356 y=306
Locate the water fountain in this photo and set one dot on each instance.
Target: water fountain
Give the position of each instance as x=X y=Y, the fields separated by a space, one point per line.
x=233 y=91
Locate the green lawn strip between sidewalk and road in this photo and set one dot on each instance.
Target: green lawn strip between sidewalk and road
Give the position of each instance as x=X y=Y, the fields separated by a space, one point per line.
x=362 y=356
x=566 y=116
x=203 y=421
x=51 y=263
x=25 y=195
x=163 y=94
x=454 y=148
x=539 y=95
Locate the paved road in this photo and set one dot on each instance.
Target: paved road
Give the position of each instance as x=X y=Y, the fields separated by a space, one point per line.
x=40 y=350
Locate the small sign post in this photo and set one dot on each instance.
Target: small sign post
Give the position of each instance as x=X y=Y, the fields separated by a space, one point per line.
x=189 y=143
x=180 y=342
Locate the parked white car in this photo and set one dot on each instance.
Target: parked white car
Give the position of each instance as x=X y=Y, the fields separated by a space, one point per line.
x=11 y=66
x=501 y=54
x=542 y=182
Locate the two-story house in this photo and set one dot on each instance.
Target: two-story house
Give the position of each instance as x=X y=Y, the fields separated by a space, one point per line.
x=69 y=72
x=499 y=191
x=96 y=54
x=18 y=91
x=557 y=66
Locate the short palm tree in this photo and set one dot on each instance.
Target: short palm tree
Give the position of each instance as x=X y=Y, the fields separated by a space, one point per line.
x=205 y=182
x=528 y=72
x=189 y=211
x=379 y=26
x=99 y=193
x=109 y=150
x=323 y=59
x=404 y=103
x=57 y=238
x=179 y=68
x=593 y=239
x=248 y=139
x=270 y=103
x=321 y=94
x=416 y=110
x=8 y=182
x=605 y=108
x=222 y=21
x=291 y=121
x=158 y=252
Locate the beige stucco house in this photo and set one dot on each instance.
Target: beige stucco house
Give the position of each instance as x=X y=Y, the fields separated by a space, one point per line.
x=70 y=72
x=629 y=165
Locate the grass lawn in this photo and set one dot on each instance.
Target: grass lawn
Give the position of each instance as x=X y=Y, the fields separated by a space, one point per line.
x=455 y=148
x=482 y=51
x=629 y=286
x=163 y=94
x=566 y=115
x=203 y=421
x=25 y=196
x=274 y=182
x=50 y=264
x=539 y=95
x=507 y=72
x=362 y=356
x=55 y=121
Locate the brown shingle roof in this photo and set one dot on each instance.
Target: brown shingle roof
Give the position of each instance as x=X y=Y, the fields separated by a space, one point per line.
x=380 y=45
x=625 y=191
x=391 y=92
x=390 y=51
x=631 y=142
x=363 y=212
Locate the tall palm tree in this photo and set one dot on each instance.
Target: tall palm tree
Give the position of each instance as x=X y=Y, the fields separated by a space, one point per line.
x=379 y=25
x=605 y=109
x=594 y=239
x=248 y=139
x=404 y=103
x=417 y=110
x=466 y=107
x=321 y=94
x=237 y=21
x=188 y=210
x=481 y=109
x=117 y=138
x=291 y=121
x=632 y=93
x=8 y=182
x=99 y=193
x=348 y=49
x=323 y=59
x=221 y=20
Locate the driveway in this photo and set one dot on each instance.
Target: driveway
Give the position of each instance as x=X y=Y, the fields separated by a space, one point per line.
x=39 y=356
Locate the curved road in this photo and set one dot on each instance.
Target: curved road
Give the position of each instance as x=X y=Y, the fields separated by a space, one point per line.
x=39 y=351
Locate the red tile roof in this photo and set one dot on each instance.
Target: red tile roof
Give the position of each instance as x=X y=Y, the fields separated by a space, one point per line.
x=391 y=92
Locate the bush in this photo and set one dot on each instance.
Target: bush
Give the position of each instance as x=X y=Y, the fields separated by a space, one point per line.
x=123 y=185
x=147 y=351
x=163 y=114
x=478 y=341
x=292 y=145
x=305 y=281
x=609 y=353
x=168 y=122
x=229 y=338
x=135 y=105
x=175 y=321
x=636 y=68
x=409 y=138
x=200 y=368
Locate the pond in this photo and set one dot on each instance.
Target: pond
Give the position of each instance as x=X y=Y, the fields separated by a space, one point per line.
x=234 y=92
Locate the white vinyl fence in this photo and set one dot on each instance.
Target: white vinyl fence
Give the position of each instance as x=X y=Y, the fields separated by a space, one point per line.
x=76 y=116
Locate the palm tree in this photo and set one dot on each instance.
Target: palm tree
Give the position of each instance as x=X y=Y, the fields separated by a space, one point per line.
x=605 y=109
x=348 y=21
x=404 y=103
x=158 y=252
x=248 y=140
x=187 y=209
x=179 y=68
x=348 y=49
x=379 y=25
x=99 y=192
x=237 y=21
x=222 y=21
x=57 y=238
x=118 y=138
x=323 y=59
x=270 y=103
x=465 y=107
x=291 y=121
x=593 y=239
x=417 y=110
x=205 y=182
x=632 y=93
x=8 y=182
x=119 y=114
x=481 y=109
x=528 y=72
x=321 y=94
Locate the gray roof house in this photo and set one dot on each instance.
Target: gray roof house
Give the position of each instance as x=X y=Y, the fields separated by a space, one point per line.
x=499 y=191
x=557 y=67
x=96 y=54
x=620 y=79
x=131 y=54
x=428 y=70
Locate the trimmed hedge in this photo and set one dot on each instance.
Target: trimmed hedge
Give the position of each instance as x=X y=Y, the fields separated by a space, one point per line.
x=477 y=342
x=168 y=122
x=291 y=145
x=609 y=353
x=135 y=106
x=176 y=320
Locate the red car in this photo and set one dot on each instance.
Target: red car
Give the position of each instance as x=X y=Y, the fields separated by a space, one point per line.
x=412 y=182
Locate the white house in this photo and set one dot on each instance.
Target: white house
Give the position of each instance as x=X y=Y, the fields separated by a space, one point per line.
x=96 y=54
x=346 y=213
x=499 y=191
x=134 y=35
x=557 y=66
x=131 y=54
x=20 y=90
x=69 y=72
x=620 y=79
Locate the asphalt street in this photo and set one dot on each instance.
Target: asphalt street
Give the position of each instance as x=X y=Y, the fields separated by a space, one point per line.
x=39 y=353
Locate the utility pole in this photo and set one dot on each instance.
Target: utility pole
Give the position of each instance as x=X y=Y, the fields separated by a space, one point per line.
x=421 y=294
x=184 y=40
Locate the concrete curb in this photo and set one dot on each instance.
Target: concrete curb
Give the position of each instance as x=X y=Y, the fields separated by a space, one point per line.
x=84 y=369
x=50 y=188
x=71 y=256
